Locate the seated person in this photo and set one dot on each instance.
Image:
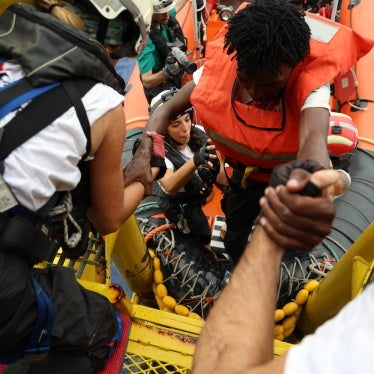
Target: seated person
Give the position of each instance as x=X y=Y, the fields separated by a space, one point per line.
x=191 y=169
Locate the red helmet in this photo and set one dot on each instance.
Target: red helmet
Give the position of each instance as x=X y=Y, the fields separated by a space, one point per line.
x=342 y=136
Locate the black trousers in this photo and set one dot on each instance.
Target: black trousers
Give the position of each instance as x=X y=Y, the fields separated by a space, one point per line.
x=84 y=321
x=241 y=208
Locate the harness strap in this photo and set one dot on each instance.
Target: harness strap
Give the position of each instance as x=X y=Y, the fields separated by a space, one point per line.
x=51 y=104
x=248 y=172
x=19 y=92
x=75 y=97
x=40 y=339
x=26 y=240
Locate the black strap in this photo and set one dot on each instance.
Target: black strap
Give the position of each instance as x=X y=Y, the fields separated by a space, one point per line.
x=42 y=111
x=15 y=90
x=75 y=98
x=24 y=239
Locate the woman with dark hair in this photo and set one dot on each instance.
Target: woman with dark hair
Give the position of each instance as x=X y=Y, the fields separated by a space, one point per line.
x=191 y=169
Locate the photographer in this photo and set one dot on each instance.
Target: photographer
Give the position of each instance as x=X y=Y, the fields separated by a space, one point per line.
x=159 y=70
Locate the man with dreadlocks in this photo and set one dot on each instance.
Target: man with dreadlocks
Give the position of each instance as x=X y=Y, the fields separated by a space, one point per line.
x=263 y=98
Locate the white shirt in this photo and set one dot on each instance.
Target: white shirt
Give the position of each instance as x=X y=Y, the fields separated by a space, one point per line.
x=47 y=162
x=186 y=154
x=342 y=345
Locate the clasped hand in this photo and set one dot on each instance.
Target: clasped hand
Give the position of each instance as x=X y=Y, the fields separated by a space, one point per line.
x=138 y=169
x=205 y=154
x=298 y=222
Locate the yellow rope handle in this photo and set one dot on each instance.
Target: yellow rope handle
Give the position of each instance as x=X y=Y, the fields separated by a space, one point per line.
x=164 y=301
x=286 y=318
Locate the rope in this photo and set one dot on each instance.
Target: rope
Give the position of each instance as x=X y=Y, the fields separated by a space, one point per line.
x=193 y=289
x=164 y=227
x=330 y=249
x=366 y=140
x=137 y=119
x=316 y=269
x=62 y=212
x=145 y=207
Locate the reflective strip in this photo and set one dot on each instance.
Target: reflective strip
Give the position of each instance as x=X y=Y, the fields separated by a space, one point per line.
x=338 y=139
x=246 y=151
x=321 y=30
x=345 y=125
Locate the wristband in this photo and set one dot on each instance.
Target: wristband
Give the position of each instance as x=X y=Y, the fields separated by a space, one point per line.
x=345 y=181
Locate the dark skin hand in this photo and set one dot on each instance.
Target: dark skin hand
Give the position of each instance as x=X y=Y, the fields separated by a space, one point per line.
x=139 y=167
x=293 y=221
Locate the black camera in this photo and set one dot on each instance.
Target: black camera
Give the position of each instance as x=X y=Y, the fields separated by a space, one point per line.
x=176 y=55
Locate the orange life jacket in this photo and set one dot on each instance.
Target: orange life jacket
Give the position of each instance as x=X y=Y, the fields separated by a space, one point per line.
x=261 y=138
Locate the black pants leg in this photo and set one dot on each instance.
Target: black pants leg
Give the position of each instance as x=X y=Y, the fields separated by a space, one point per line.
x=241 y=207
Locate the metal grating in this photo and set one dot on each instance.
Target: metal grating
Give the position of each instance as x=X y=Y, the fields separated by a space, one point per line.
x=139 y=364
x=93 y=258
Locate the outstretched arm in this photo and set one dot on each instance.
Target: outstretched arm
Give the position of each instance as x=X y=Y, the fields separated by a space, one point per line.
x=111 y=203
x=150 y=79
x=238 y=334
x=314 y=124
x=173 y=181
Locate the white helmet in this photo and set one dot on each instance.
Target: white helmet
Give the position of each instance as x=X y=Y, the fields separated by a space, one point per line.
x=163 y=6
x=141 y=12
x=161 y=98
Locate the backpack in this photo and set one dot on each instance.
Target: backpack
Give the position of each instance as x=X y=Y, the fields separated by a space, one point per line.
x=56 y=55
x=61 y=64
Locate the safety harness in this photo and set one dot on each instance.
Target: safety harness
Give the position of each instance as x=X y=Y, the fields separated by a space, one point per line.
x=17 y=233
x=195 y=190
x=61 y=65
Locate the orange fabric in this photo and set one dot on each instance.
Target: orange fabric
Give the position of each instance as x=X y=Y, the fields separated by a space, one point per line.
x=261 y=147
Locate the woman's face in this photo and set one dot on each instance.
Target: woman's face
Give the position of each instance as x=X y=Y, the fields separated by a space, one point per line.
x=180 y=129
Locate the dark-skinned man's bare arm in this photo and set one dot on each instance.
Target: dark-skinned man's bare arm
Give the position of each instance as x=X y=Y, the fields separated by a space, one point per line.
x=314 y=124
